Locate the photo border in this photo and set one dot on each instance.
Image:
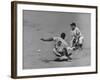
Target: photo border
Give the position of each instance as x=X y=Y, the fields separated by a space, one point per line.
x=14 y=37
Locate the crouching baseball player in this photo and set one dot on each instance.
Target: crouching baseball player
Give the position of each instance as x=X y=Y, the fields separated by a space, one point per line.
x=77 y=37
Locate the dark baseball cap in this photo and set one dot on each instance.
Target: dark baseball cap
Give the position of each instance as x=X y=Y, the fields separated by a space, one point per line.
x=73 y=24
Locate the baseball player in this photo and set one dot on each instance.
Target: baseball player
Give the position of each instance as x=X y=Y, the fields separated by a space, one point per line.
x=77 y=37
x=60 y=47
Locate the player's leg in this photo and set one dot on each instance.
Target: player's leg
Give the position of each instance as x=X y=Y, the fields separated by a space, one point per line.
x=72 y=42
x=60 y=55
x=81 y=39
x=75 y=44
x=65 y=51
x=56 y=53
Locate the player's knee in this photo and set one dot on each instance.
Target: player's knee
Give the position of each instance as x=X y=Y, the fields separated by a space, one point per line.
x=56 y=53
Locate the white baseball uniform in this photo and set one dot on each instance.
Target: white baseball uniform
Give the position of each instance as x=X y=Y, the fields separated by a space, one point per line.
x=76 y=33
x=57 y=48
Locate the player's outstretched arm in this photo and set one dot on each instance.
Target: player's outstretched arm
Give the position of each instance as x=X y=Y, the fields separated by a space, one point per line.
x=49 y=39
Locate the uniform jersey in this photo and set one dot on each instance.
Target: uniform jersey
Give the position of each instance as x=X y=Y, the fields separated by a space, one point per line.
x=63 y=43
x=77 y=36
x=76 y=33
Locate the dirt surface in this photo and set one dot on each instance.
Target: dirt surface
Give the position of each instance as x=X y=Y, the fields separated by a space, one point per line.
x=39 y=24
x=46 y=60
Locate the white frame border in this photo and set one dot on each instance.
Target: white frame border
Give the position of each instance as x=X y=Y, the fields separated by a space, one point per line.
x=35 y=72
